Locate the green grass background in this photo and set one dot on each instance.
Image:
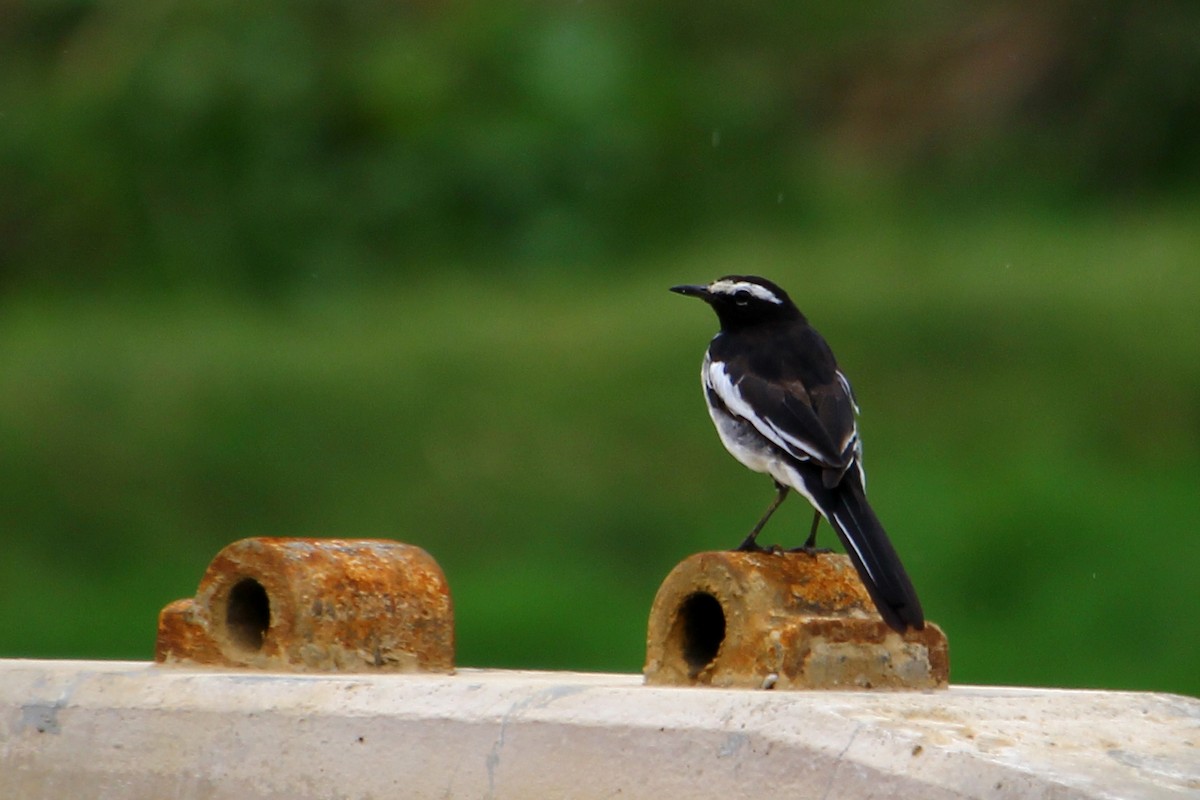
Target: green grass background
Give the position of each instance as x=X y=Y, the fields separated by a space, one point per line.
x=401 y=270
x=1029 y=388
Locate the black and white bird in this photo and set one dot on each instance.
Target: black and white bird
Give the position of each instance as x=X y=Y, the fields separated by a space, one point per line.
x=782 y=407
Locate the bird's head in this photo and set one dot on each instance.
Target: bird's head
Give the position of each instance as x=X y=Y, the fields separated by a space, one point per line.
x=744 y=300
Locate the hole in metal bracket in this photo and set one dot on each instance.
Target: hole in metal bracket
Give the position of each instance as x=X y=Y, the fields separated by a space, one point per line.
x=248 y=614
x=701 y=620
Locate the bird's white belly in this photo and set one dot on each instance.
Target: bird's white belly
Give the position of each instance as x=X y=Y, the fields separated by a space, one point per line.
x=745 y=443
x=753 y=450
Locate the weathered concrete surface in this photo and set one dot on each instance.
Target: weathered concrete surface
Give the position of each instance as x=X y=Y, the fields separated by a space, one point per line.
x=315 y=605
x=787 y=620
x=111 y=730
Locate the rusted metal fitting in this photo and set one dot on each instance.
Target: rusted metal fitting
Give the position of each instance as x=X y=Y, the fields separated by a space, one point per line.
x=784 y=621
x=315 y=605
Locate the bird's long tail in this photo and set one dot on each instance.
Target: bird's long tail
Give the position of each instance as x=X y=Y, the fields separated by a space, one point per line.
x=872 y=553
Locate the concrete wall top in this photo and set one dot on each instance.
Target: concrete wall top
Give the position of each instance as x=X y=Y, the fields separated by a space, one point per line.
x=134 y=730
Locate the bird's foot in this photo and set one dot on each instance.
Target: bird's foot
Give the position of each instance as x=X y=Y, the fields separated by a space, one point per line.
x=810 y=550
x=750 y=546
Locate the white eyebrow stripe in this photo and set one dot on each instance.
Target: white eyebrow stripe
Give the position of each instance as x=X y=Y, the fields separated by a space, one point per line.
x=731 y=287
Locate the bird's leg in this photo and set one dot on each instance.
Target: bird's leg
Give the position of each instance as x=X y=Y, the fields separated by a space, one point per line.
x=748 y=544
x=810 y=544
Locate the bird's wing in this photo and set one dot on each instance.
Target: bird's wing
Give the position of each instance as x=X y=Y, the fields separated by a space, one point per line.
x=816 y=424
x=835 y=406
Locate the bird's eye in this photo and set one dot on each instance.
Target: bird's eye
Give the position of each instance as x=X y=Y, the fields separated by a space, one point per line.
x=741 y=298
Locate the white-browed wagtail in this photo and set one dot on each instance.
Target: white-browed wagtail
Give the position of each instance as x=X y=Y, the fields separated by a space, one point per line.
x=782 y=407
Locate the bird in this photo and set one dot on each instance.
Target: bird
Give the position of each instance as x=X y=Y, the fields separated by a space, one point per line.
x=783 y=407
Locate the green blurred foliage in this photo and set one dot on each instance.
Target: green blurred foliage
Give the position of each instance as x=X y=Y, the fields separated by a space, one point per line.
x=399 y=269
x=253 y=145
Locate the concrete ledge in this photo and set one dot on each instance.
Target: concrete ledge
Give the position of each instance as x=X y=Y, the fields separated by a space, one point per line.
x=133 y=730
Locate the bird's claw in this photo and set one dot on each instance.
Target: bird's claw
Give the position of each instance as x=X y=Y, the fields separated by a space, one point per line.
x=810 y=550
x=749 y=546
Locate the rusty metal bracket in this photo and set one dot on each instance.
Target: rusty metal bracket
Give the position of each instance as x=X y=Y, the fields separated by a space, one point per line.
x=782 y=620
x=315 y=605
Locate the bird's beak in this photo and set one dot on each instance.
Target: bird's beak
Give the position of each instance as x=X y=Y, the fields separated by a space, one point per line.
x=692 y=291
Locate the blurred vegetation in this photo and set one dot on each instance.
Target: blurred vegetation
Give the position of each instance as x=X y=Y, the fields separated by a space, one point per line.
x=400 y=269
